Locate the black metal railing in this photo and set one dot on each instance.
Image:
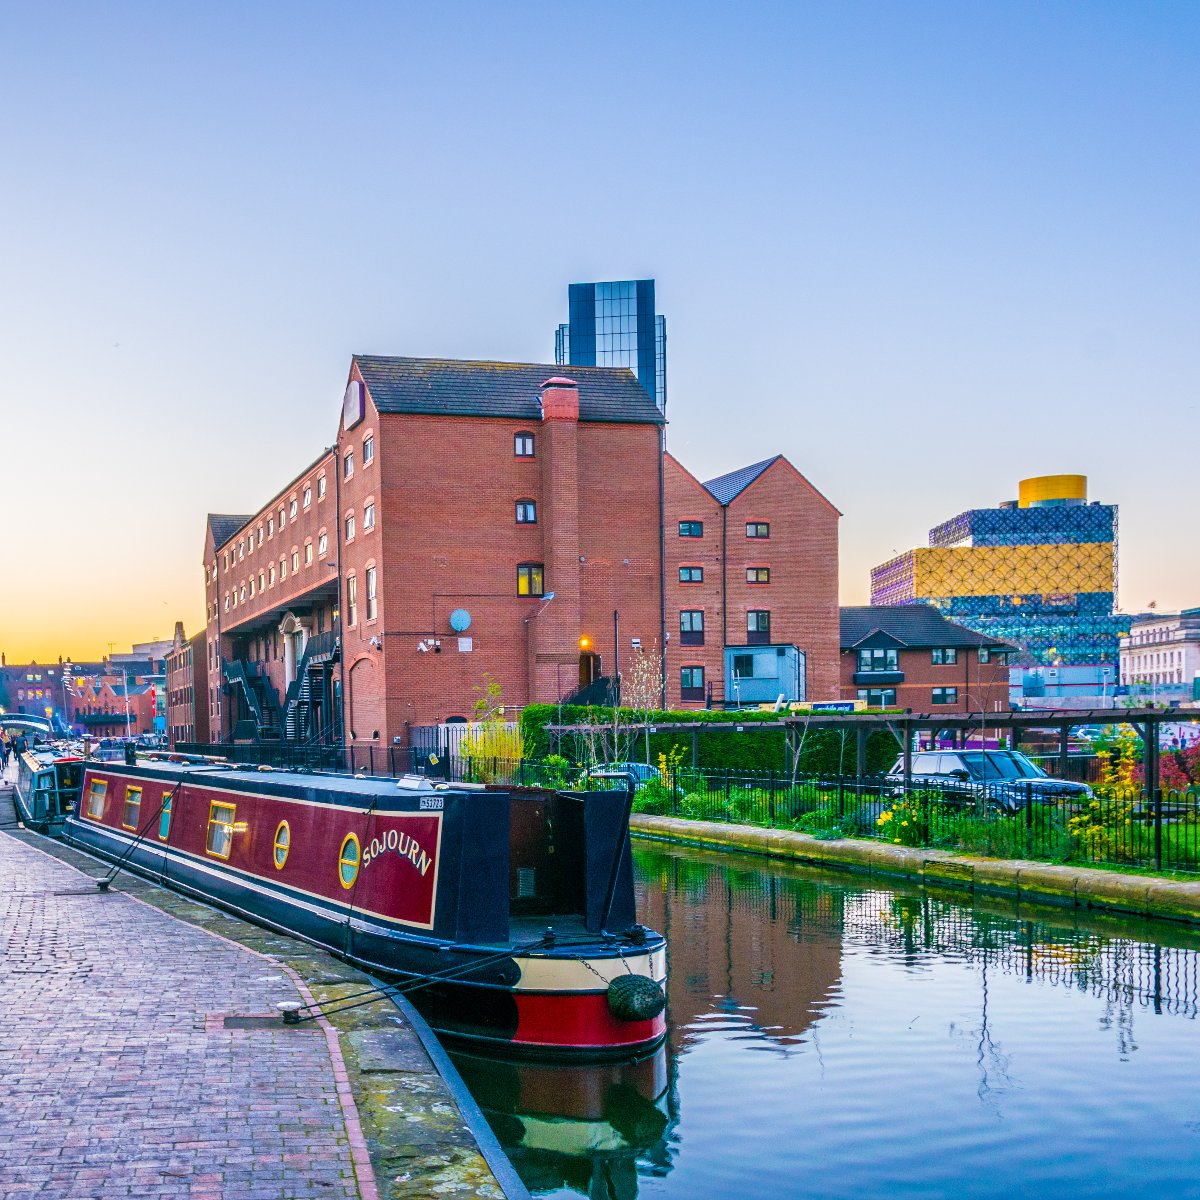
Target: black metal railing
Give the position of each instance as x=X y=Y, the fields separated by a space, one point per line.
x=1038 y=819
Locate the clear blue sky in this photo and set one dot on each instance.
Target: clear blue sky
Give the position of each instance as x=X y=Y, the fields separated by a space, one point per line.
x=923 y=249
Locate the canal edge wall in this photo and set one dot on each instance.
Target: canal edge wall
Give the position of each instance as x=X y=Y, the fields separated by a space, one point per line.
x=1052 y=883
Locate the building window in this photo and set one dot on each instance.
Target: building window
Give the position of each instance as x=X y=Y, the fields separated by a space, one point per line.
x=879 y=660
x=271 y=575
x=348 y=465
x=526 y=512
x=308 y=555
x=241 y=550
x=985 y=655
x=945 y=695
x=260 y=535
x=372 y=601
x=691 y=683
x=251 y=587
x=262 y=580
x=352 y=599
x=878 y=697
x=220 y=829
x=691 y=574
x=758 y=529
x=348 y=860
x=164 y=816
x=758 y=574
x=282 y=522
x=270 y=527
x=283 y=568
x=283 y=843
x=691 y=529
x=368 y=449
x=97 y=790
x=523 y=445
x=368 y=517
x=295 y=561
x=691 y=627
x=944 y=655
x=530 y=579
x=758 y=627
x=242 y=594
x=743 y=666
x=350 y=527
x=320 y=487
x=308 y=497
x=293 y=507
x=323 y=544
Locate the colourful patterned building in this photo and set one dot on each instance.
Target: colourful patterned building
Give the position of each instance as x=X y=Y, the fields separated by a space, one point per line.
x=1040 y=571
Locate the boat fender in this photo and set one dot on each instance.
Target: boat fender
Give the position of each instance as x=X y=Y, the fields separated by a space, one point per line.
x=635 y=998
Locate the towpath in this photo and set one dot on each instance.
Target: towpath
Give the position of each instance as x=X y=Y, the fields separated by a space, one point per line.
x=142 y=1056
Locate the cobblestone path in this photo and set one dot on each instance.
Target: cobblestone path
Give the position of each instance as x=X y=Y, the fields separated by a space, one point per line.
x=119 y=1073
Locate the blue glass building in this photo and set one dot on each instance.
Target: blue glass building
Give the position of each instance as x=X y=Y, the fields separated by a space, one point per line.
x=615 y=325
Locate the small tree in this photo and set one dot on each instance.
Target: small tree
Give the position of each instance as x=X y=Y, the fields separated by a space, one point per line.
x=641 y=690
x=491 y=739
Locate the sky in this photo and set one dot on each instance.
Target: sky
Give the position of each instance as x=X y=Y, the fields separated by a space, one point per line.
x=925 y=250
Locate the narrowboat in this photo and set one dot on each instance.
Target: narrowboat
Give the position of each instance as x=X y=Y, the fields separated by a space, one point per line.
x=47 y=788
x=511 y=913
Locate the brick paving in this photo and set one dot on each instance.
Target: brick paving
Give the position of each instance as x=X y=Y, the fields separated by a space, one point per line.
x=118 y=1076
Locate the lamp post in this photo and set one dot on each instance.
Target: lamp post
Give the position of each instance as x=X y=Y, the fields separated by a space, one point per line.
x=125 y=689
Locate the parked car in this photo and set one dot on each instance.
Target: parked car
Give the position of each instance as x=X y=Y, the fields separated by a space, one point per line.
x=1004 y=779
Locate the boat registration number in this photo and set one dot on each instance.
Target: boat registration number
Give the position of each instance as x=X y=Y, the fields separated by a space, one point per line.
x=432 y=805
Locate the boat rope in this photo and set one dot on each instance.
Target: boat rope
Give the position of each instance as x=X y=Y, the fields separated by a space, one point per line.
x=310 y=1012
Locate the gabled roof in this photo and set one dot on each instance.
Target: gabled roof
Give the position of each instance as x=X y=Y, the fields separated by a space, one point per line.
x=726 y=488
x=917 y=626
x=463 y=388
x=224 y=526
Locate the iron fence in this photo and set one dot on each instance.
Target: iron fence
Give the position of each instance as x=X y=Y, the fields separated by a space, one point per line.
x=1033 y=818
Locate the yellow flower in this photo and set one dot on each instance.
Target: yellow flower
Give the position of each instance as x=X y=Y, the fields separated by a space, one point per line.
x=884 y=818
x=897 y=841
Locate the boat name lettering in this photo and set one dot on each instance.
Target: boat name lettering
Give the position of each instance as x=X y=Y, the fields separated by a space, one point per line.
x=403 y=844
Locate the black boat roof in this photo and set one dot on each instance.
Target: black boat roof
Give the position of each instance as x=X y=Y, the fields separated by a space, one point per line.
x=266 y=779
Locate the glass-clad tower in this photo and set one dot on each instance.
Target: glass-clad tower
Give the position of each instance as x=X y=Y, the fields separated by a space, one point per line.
x=615 y=325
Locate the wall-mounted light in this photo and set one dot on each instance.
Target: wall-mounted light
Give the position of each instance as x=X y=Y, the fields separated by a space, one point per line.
x=376 y=642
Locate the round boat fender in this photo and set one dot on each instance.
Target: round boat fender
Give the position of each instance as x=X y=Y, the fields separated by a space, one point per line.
x=635 y=998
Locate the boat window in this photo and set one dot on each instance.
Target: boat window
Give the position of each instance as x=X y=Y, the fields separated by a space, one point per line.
x=133 y=806
x=164 y=817
x=97 y=790
x=220 y=829
x=283 y=843
x=348 y=860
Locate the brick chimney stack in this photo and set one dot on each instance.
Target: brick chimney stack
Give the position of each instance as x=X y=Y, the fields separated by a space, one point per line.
x=554 y=632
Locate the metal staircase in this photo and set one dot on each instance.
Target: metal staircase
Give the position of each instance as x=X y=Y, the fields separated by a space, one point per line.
x=296 y=714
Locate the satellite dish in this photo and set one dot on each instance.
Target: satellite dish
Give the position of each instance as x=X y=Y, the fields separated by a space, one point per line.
x=460 y=620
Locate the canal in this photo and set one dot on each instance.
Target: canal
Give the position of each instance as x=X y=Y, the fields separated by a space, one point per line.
x=833 y=1038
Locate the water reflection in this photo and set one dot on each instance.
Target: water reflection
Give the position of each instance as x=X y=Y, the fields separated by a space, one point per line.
x=587 y=1129
x=812 y=1017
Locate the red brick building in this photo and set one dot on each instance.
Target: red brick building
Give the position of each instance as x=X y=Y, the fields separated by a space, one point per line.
x=751 y=571
x=186 y=723
x=482 y=520
x=910 y=656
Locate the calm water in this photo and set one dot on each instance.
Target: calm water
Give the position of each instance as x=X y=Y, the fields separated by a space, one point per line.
x=830 y=1039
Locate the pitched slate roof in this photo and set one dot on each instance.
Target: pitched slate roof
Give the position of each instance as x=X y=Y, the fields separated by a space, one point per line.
x=726 y=488
x=914 y=625
x=461 y=388
x=224 y=526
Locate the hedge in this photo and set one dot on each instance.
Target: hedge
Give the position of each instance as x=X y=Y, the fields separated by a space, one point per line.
x=825 y=751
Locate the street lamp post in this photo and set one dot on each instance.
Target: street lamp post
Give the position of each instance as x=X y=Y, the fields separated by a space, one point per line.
x=125 y=689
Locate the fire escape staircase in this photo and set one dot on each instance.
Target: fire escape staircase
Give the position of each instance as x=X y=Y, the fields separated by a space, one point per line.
x=296 y=715
x=260 y=697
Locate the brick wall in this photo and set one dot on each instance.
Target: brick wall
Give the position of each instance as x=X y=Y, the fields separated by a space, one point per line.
x=981 y=686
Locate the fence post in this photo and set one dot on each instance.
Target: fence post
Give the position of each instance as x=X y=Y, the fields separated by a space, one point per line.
x=1029 y=820
x=771 y=809
x=728 y=792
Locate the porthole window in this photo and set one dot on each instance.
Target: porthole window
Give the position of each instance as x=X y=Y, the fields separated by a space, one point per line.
x=348 y=861
x=283 y=843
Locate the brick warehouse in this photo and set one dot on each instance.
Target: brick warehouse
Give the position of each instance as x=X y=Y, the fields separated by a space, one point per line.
x=482 y=519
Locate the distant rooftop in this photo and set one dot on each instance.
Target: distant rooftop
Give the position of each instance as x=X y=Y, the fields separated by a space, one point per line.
x=915 y=625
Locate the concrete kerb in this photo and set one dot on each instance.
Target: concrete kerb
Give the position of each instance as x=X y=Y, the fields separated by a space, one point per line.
x=1049 y=883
